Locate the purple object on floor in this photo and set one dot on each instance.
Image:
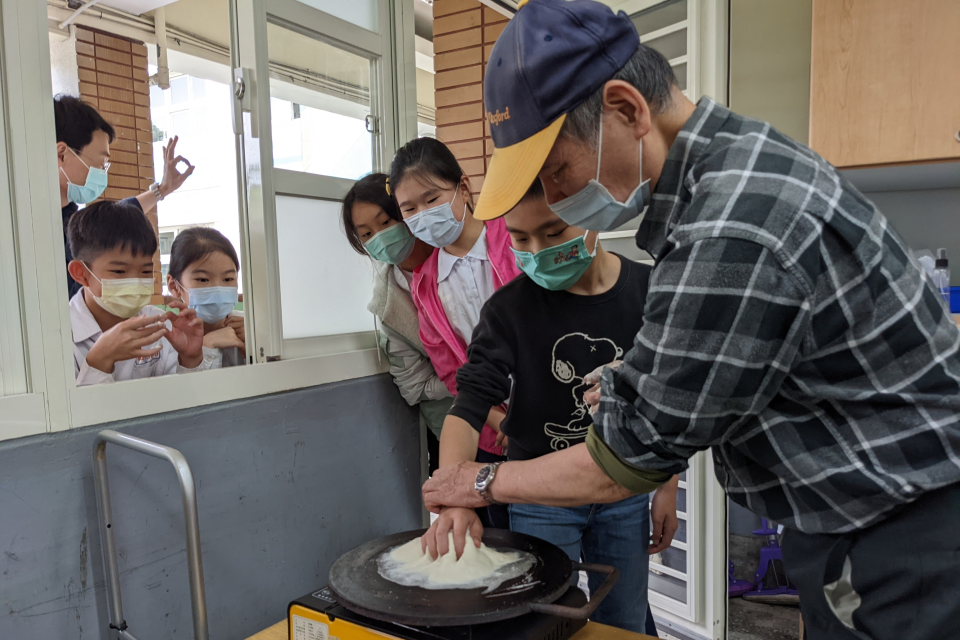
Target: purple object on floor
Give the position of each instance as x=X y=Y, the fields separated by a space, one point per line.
x=783 y=592
x=738 y=587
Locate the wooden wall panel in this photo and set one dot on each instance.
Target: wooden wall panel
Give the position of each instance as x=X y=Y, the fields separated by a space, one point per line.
x=885 y=81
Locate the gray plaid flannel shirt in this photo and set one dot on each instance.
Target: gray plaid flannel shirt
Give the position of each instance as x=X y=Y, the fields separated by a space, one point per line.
x=787 y=327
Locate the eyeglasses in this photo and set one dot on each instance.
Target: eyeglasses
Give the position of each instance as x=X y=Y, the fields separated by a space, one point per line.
x=106 y=163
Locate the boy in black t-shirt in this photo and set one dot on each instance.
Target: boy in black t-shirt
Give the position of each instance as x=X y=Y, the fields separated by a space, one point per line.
x=576 y=307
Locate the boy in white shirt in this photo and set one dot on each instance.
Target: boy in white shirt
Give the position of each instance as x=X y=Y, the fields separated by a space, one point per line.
x=117 y=335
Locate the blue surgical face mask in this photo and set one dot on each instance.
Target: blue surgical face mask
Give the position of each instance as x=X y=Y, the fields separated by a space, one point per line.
x=213 y=304
x=557 y=268
x=393 y=245
x=438 y=227
x=594 y=208
x=92 y=189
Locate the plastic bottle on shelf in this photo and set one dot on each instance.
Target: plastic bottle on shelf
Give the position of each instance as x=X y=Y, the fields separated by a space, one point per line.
x=941 y=275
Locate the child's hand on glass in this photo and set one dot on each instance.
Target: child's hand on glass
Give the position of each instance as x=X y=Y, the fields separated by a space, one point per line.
x=236 y=323
x=223 y=338
x=133 y=338
x=185 y=334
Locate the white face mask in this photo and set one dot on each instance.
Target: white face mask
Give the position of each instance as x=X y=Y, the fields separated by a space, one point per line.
x=594 y=208
x=123 y=298
x=438 y=227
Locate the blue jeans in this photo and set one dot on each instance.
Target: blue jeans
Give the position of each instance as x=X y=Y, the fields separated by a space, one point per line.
x=613 y=534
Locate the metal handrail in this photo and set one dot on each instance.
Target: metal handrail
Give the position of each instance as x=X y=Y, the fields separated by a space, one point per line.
x=188 y=493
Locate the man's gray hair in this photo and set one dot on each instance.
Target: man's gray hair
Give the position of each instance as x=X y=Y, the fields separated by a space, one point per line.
x=648 y=71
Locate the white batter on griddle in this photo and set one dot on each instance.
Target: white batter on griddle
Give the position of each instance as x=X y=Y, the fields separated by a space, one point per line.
x=410 y=566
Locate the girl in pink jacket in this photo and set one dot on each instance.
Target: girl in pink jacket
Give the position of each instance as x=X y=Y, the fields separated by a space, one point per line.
x=472 y=260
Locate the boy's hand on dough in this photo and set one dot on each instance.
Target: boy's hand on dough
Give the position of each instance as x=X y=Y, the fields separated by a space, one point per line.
x=461 y=522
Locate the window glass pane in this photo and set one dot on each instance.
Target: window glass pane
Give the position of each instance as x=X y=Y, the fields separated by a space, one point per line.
x=310 y=278
x=673 y=45
x=660 y=16
x=209 y=197
x=178 y=90
x=180 y=124
x=674 y=559
x=681 y=72
x=196 y=106
x=682 y=500
x=12 y=371
x=668 y=586
x=166 y=242
x=320 y=97
x=681 y=534
x=199 y=87
x=156 y=96
x=363 y=13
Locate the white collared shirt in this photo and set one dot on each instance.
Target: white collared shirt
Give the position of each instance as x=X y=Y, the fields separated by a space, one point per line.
x=403 y=278
x=86 y=332
x=464 y=285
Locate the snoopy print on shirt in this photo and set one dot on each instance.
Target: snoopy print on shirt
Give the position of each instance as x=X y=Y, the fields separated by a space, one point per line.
x=575 y=355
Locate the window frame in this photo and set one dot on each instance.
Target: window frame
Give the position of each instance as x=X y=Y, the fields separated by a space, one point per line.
x=13 y=365
x=706 y=55
x=28 y=112
x=703 y=616
x=53 y=401
x=264 y=185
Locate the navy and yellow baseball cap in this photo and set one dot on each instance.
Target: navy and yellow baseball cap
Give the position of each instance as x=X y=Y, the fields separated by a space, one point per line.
x=551 y=57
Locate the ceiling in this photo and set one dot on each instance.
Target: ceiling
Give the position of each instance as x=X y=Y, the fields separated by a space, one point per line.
x=136 y=7
x=207 y=18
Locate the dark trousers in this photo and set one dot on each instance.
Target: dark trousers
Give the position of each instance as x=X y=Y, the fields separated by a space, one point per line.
x=433 y=453
x=496 y=515
x=651 y=626
x=899 y=579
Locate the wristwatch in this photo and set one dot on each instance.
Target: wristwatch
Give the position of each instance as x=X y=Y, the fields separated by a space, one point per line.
x=484 y=479
x=155 y=189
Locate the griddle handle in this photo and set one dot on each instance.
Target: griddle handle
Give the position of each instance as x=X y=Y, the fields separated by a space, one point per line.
x=584 y=612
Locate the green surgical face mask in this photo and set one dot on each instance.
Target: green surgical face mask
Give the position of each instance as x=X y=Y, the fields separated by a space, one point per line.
x=393 y=245
x=557 y=268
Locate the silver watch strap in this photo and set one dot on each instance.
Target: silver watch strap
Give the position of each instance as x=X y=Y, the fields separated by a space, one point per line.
x=485 y=492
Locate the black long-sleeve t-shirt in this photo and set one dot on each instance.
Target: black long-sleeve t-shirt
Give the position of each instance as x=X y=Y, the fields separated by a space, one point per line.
x=546 y=342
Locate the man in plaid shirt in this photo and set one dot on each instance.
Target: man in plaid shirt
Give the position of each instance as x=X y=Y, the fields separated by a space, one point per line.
x=787 y=327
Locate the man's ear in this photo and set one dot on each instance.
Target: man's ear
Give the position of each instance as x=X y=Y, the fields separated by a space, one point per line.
x=79 y=273
x=61 y=151
x=622 y=101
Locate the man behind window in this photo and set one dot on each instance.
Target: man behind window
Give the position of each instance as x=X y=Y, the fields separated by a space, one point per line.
x=83 y=158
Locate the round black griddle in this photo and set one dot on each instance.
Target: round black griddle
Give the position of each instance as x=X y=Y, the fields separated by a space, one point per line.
x=358 y=585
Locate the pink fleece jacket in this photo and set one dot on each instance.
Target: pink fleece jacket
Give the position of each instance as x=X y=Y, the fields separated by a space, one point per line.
x=446 y=350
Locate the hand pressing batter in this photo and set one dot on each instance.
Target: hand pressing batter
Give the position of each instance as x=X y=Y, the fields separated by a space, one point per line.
x=461 y=522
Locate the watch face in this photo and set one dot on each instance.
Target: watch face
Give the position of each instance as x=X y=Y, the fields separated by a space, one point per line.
x=484 y=475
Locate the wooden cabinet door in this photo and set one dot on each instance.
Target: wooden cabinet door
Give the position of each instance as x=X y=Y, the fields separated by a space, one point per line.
x=885 y=81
